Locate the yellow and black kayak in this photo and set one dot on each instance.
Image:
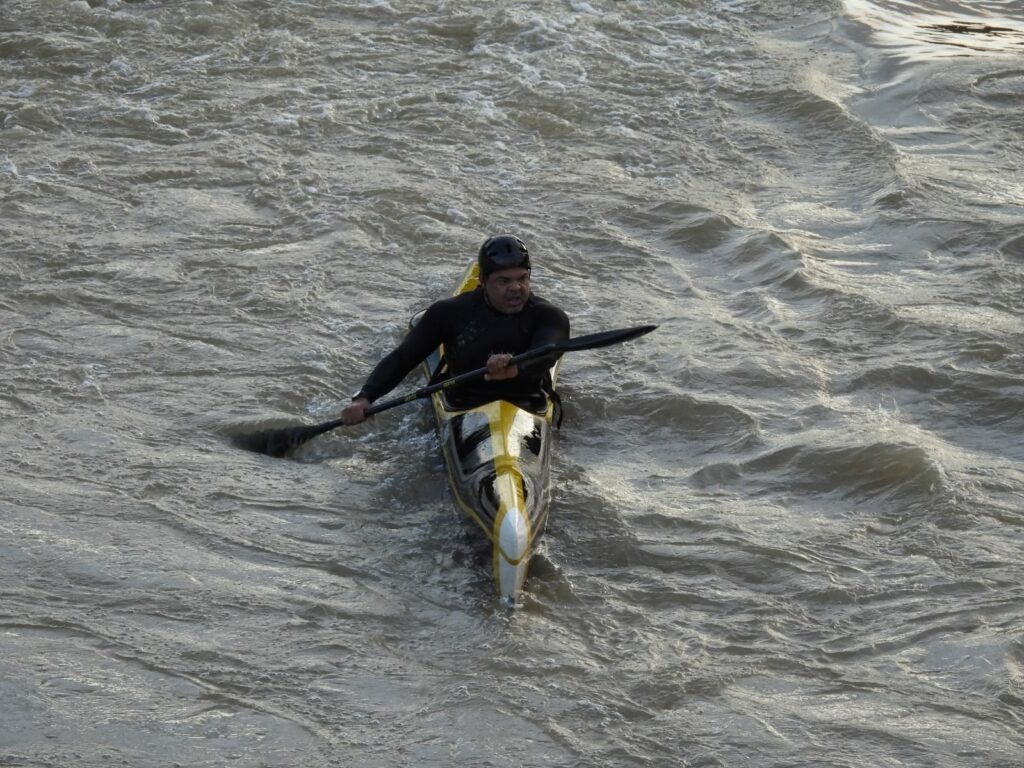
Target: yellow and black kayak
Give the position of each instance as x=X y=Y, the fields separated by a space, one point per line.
x=497 y=456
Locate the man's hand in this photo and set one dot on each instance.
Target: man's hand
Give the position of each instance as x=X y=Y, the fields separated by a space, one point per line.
x=498 y=368
x=356 y=412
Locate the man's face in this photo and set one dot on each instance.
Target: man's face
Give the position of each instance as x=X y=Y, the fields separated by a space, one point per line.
x=508 y=289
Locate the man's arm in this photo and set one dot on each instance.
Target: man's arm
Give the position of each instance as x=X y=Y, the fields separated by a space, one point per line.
x=421 y=340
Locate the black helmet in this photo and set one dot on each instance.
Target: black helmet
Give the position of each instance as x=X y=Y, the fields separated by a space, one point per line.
x=502 y=252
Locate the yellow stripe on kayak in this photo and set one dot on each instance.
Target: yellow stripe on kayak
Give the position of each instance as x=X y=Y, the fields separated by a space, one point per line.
x=509 y=480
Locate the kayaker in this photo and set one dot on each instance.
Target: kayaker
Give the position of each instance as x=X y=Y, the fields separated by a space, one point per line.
x=485 y=327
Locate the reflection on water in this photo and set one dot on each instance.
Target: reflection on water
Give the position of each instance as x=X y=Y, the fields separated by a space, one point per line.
x=927 y=30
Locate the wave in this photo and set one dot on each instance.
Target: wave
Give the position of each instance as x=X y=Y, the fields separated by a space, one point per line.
x=647 y=419
x=891 y=472
x=930 y=30
x=957 y=399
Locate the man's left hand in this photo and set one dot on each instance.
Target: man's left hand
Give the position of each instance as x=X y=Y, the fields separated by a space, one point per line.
x=498 y=368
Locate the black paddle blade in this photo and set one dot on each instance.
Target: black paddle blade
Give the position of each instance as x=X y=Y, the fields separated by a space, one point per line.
x=605 y=338
x=275 y=442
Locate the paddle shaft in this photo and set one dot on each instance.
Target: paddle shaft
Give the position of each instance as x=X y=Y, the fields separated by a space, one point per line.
x=278 y=442
x=427 y=391
x=590 y=341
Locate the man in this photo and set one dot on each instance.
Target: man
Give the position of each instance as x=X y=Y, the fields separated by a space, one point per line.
x=485 y=327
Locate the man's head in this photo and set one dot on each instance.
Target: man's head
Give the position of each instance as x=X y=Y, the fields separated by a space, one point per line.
x=505 y=273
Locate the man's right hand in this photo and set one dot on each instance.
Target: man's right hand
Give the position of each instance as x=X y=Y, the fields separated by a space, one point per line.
x=356 y=412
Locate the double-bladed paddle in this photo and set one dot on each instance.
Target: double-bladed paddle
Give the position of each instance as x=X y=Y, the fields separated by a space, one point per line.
x=278 y=442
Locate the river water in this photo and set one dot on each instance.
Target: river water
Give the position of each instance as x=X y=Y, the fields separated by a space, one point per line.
x=788 y=527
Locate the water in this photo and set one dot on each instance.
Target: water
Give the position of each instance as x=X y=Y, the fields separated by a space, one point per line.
x=787 y=526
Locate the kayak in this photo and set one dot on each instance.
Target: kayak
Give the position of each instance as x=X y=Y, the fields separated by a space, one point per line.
x=497 y=457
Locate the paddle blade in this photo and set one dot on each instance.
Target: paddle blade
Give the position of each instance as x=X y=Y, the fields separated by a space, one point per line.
x=275 y=442
x=604 y=339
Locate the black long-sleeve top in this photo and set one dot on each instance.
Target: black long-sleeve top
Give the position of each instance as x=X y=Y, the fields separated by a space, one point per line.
x=471 y=331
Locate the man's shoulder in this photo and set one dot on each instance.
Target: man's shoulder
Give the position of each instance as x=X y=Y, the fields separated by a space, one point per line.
x=454 y=306
x=543 y=306
x=458 y=301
